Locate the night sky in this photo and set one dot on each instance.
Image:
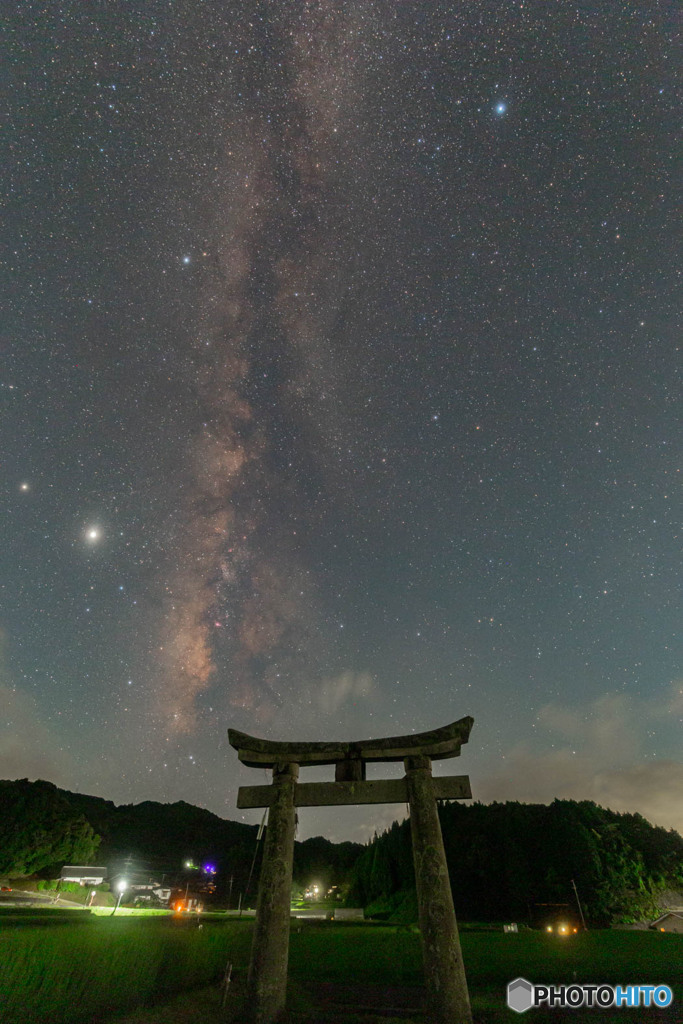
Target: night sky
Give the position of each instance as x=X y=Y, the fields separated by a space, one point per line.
x=339 y=396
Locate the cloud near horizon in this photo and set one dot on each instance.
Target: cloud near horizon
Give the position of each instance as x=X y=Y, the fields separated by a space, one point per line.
x=28 y=748
x=595 y=755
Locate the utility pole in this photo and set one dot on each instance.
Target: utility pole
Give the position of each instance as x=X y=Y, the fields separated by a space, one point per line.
x=578 y=903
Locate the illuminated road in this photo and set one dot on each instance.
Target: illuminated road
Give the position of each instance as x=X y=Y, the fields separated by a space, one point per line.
x=19 y=898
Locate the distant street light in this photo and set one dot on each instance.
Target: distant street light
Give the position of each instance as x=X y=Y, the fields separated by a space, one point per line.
x=122 y=885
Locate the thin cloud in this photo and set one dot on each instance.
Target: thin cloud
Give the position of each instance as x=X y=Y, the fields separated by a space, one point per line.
x=595 y=754
x=28 y=748
x=346 y=688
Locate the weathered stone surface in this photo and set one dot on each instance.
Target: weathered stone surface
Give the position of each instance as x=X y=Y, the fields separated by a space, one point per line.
x=447 y=997
x=437 y=743
x=267 y=980
x=351 y=769
x=372 y=791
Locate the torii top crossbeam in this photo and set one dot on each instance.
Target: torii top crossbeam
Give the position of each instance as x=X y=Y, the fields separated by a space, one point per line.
x=437 y=743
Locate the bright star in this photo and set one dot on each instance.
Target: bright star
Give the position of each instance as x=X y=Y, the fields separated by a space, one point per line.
x=186 y=260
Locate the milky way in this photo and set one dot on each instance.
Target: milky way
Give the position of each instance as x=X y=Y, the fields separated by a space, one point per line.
x=340 y=392
x=239 y=586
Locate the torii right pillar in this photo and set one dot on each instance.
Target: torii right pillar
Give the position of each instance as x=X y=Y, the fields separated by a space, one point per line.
x=448 y=1001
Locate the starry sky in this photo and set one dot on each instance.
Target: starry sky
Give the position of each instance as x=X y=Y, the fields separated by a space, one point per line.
x=339 y=394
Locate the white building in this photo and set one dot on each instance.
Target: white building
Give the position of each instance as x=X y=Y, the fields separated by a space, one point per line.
x=84 y=875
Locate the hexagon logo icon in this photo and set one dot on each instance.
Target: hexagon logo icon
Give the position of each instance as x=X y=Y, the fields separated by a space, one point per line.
x=520 y=995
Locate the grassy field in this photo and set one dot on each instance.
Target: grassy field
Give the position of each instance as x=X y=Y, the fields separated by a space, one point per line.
x=348 y=972
x=92 y=969
x=383 y=956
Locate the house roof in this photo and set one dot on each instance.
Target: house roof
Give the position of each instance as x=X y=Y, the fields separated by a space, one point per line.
x=669 y=913
x=80 y=869
x=134 y=878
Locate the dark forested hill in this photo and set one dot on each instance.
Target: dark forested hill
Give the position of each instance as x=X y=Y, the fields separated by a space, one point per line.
x=516 y=862
x=39 y=827
x=43 y=827
x=506 y=861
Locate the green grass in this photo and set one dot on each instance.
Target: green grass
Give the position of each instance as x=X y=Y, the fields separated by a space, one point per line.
x=67 y=975
x=93 y=971
x=600 y=956
x=131 y=912
x=356 y=957
x=370 y=954
x=376 y=954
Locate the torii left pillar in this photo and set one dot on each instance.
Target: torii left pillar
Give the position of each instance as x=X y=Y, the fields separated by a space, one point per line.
x=267 y=980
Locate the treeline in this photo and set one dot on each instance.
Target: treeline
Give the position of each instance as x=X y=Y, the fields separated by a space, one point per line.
x=511 y=861
x=38 y=828
x=43 y=827
x=516 y=862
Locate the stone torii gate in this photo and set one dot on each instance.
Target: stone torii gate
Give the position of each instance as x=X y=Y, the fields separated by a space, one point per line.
x=447 y=996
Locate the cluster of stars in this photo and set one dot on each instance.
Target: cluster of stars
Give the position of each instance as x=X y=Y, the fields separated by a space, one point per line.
x=346 y=345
